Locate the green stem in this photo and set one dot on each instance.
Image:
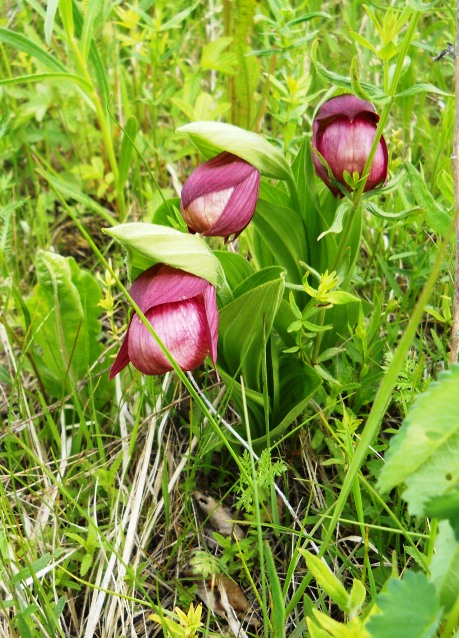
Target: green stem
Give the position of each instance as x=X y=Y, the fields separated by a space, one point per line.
x=384 y=393
x=387 y=107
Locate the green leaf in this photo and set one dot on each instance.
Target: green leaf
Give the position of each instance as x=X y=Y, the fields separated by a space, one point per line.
x=64 y=325
x=343 y=81
x=327 y=580
x=51 y=8
x=444 y=572
x=213 y=56
x=423 y=87
x=235 y=267
x=212 y=138
x=274 y=223
x=410 y=608
x=91 y=8
x=437 y=218
x=445 y=506
x=22 y=43
x=337 y=225
x=244 y=327
x=147 y=244
x=425 y=451
x=277 y=599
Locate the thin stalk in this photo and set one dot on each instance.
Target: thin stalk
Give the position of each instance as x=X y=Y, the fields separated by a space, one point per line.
x=384 y=394
x=387 y=107
x=455 y=332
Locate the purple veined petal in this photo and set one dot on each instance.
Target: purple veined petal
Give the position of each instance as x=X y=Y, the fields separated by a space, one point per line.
x=182 y=327
x=122 y=358
x=239 y=209
x=346 y=105
x=218 y=174
x=163 y=284
x=203 y=213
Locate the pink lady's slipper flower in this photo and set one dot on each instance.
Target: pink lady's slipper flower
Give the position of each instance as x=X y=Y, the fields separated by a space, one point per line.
x=220 y=196
x=182 y=309
x=343 y=133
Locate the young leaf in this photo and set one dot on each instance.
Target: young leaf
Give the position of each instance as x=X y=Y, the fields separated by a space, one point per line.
x=410 y=608
x=327 y=580
x=425 y=452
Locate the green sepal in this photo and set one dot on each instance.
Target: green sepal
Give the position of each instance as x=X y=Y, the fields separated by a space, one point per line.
x=212 y=138
x=148 y=244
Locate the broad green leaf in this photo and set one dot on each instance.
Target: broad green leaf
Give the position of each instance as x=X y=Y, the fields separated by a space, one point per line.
x=444 y=571
x=437 y=218
x=324 y=577
x=298 y=383
x=425 y=451
x=236 y=267
x=147 y=244
x=212 y=138
x=410 y=608
x=274 y=223
x=245 y=325
x=445 y=506
x=64 y=325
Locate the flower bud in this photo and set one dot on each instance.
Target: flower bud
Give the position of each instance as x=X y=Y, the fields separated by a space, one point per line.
x=182 y=309
x=343 y=133
x=220 y=196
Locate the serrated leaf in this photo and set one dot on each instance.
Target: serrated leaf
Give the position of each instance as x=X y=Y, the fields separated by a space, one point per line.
x=410 y=608
x=148 y=244
x=64 y=326
x=212 y=138
x=425 y=451
x=444 y=572
x=244 y=325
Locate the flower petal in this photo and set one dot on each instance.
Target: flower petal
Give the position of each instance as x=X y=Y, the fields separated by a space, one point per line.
x=164 y=284
x=218 y=174
x=122 y=358
x=181 y=326
x=347 y=105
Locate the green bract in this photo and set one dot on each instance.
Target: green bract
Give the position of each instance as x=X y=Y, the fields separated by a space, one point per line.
x=212 y=138
x=147 y=244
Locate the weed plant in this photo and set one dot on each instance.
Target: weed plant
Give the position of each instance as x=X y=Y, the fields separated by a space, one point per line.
x=101 y=532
